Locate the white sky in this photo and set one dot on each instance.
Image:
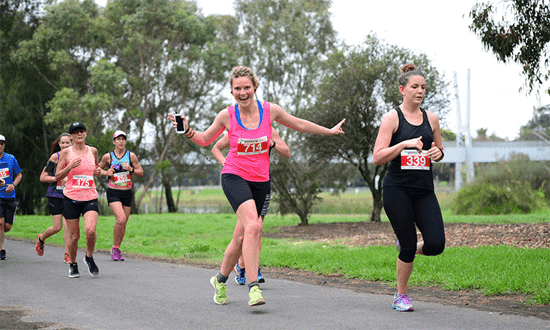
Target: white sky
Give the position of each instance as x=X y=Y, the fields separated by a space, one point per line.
x=440 y=30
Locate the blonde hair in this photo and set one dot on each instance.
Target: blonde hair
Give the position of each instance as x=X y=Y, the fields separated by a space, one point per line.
x=243 y=71
x=407 y=71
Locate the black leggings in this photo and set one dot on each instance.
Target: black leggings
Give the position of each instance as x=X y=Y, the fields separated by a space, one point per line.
x=406 y=207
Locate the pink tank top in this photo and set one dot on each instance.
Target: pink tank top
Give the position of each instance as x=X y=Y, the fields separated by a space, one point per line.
x=248 y=155
x=80 y=181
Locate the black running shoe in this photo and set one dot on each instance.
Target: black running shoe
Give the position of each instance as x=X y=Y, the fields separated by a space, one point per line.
x=2 y=254
x=73 y=270
x=92 y=267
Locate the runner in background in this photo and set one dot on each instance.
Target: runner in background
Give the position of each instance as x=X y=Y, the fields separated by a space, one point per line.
x=79 y=163
x=122 y=165
x=282 y=149
x=10 y=174
x=54 y=194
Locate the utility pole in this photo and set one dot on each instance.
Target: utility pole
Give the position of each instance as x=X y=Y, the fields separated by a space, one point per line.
x=459 y=142
x=470 y=173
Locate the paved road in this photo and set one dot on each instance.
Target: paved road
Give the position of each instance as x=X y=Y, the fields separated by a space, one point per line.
x=137 y=294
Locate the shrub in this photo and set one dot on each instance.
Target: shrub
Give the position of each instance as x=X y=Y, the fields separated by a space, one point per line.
x=517 y=168
x=504 y=197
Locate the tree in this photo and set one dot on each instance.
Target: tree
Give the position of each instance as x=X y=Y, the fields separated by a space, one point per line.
x=360 y=84
x=538 y=127
x=172 y=63
x=521 y=34
x=127 y=66
x=23 y=95
x=283 y=41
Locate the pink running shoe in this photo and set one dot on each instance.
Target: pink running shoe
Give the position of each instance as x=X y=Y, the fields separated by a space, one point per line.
x=116 y=255
x=115 y=252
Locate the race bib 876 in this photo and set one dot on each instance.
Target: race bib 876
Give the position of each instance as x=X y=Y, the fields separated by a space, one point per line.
x=252 y=146
x=121 y=178
x=414 y=160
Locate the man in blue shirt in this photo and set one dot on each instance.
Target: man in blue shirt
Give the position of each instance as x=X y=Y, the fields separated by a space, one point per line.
x=10 y=173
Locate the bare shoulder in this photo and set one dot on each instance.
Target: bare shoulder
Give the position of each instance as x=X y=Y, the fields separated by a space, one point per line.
x=391 y=118
x=106 y=156
x=223 y=117
x=54 y=157
x=275 y=107
x=64 y=152
x=94 y=150
x=432 y=117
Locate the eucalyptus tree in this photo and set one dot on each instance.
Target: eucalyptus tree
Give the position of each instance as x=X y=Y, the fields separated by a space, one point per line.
x=130 y=64
x=360 y=84
x=174 y=61
x=518 y=31
x=23 y=97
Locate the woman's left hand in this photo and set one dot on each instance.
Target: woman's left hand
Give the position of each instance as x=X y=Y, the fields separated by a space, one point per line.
x=435 y=153
x=338 y=128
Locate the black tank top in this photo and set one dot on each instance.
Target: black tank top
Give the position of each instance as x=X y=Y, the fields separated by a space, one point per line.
x=395 y=176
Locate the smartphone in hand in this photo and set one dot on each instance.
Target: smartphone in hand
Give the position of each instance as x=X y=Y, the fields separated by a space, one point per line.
x=180 y=127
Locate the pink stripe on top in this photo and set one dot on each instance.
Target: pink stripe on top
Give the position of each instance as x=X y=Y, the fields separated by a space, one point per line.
x=80 y=181
x=248 y=155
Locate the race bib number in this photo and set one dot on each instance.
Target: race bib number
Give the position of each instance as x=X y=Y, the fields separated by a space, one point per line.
x=60 y=185
x=4 y=173
x=414 y=160
x=83 y=181
x=252 y=146
x=121 y=178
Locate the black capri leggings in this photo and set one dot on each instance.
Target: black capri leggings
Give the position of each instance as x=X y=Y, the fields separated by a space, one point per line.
x=406 y=207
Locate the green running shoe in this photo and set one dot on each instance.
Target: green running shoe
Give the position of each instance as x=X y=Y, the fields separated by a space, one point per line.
x=220 y=297
x=255 y=296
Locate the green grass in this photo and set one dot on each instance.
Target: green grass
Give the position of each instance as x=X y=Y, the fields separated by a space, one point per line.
x=494 y=270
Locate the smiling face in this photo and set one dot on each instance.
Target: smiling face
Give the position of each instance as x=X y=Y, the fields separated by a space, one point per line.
x=414 y=91
x=65 y=142
x=243 y=91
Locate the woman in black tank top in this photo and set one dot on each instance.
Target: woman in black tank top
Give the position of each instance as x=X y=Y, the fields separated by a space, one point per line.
x=409 y=140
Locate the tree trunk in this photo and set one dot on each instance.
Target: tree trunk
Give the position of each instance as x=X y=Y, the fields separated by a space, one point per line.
x=152 y=177
x=134 y=209
x=377 y=204
x=169 y=197
x=303 y=219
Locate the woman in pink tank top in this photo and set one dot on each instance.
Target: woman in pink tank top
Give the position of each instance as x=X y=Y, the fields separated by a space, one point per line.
x=245 y=174
x=79 y=163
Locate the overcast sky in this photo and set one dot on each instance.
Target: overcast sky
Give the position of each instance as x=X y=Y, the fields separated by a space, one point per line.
x=440 y=30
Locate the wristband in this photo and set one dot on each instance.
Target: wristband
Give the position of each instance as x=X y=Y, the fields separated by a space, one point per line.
x=133 y=169
x=273 y=146
x=442 y=153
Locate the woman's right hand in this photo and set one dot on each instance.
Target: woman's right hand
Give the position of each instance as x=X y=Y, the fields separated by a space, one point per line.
x=75 y=163
x=175 y=124
x=415 y=143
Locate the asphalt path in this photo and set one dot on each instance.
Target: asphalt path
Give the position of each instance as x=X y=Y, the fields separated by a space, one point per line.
x=138 y=294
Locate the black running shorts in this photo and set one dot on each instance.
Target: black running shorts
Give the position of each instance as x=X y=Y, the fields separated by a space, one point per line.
x=74 y=209
x=238 y=190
